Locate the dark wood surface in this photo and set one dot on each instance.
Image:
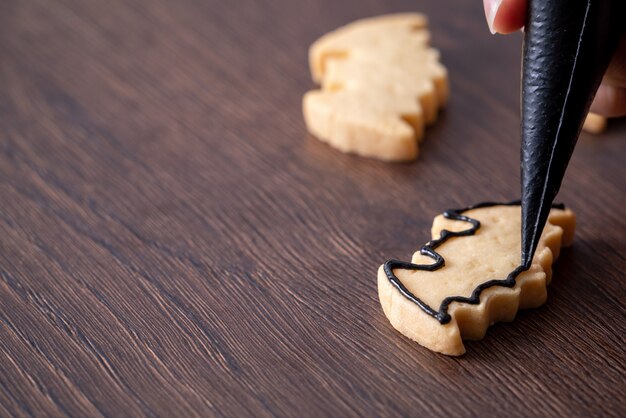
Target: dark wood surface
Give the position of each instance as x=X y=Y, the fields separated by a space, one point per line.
x=172 y=242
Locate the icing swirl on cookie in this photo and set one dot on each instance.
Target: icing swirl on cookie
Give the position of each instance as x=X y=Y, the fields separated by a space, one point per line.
x=429 y=248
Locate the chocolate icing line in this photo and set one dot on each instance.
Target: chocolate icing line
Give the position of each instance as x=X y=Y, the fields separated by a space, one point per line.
x=429 y=248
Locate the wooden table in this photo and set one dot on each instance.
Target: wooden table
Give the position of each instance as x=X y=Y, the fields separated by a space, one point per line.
x=173 y=243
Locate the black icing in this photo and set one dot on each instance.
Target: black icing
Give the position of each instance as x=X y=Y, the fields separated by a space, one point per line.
x=429 y=250
x=567 y=48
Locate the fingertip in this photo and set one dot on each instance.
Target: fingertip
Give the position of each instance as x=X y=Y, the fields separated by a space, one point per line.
x=491 y=10
x=610 y=101
x=505 y=16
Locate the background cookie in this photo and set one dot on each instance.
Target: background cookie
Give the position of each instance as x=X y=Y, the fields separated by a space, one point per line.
x=594 y=123
x=381 y=84
x=467 y=279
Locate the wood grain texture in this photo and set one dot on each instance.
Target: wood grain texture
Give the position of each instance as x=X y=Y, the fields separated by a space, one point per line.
x=172 y=242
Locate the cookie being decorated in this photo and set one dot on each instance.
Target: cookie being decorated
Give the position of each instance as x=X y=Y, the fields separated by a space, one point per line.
x=381 y=84
x=469 y=275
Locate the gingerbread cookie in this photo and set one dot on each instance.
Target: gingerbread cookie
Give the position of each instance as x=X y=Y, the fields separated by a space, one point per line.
x=381 y=83
x=469 y=275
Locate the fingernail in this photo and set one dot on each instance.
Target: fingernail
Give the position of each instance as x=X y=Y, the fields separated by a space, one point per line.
x=491 y=10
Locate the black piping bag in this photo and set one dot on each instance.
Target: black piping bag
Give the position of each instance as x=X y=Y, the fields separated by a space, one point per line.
x=567 y=47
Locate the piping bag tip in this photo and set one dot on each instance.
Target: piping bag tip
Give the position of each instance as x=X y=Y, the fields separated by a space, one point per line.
x=567 y=48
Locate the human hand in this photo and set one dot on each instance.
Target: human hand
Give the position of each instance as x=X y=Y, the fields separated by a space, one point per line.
x=506 y=16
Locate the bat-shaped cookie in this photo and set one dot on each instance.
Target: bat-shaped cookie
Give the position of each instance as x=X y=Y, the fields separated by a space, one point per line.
x=469 y=275
x=381 y=84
